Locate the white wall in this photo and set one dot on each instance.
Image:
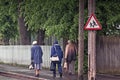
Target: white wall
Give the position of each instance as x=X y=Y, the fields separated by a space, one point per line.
x=21 y=54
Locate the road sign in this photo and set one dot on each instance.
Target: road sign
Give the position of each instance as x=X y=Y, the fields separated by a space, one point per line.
x=92 y=23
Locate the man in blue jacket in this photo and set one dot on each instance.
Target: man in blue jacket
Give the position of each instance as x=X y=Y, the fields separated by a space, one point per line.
x=36 y=57
x=57 y=49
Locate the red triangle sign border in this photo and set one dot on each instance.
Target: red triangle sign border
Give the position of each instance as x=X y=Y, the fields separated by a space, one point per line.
x=92 y=28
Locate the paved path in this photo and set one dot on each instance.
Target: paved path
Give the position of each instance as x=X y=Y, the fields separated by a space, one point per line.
x=107 y=77
x=7 y=78
x=45 y=74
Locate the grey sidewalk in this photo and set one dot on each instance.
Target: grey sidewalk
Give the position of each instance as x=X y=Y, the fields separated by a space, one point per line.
x=45 y=74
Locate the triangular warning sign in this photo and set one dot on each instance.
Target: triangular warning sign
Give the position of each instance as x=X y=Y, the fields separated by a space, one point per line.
x=92 y=23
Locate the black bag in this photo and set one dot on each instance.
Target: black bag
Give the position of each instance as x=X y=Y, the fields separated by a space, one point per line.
x=32 y=63
x=52 y=67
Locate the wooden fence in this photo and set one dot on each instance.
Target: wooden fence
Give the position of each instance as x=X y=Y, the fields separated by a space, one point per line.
x=108 y=54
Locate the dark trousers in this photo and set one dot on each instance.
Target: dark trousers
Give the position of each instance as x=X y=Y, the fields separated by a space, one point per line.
x=58 y=64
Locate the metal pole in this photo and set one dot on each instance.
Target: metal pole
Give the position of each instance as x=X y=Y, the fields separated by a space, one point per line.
x=91 y=45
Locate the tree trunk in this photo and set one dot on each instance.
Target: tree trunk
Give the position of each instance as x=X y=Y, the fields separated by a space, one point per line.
x=24 y=34
x=6 y=41
x=41 y=37
x=81 y=40
x=64 y=43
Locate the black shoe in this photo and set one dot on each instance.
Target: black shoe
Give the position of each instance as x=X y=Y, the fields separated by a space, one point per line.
x=37 y=75
x=54 y=75
x=70 y=73
x=60 y=75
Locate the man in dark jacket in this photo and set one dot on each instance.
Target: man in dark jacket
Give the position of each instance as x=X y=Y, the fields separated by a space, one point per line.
x=36 y=57
x=56 y=49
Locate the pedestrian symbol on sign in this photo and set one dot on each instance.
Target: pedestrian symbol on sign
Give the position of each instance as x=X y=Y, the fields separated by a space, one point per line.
x=92 y=24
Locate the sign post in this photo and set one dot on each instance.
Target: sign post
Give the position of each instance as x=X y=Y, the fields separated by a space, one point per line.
x=92 y=25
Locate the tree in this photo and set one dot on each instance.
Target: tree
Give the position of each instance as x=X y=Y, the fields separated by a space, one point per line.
x=81 y=40
x=107 y=12
x=24 y=33
x=35 y=18
x=9 y=18
x=8 y=23
x=54 y=17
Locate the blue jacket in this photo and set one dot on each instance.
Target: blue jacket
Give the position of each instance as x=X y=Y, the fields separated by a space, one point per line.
x=57 y=49
x=36 y=54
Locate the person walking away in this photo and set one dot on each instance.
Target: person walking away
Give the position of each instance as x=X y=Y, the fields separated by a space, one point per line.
x=57 y=49
x=70 y=57
x=36 y=57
